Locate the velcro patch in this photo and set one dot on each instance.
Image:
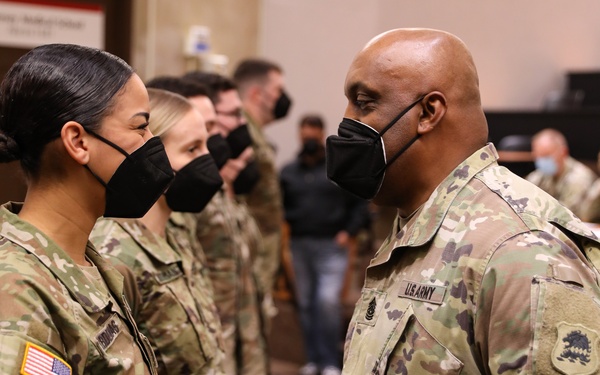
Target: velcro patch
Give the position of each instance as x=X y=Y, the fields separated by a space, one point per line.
x=39 y=361
x=576 y=349
x=370 y=306
x=109 y=332
x=172 y=272
x=422 y=292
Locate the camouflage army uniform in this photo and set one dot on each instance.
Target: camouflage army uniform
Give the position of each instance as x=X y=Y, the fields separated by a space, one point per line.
x=51 y=309
x=570 y=188
x=251 y=237
x=175 y=310
x=265 y=204
x=489 y=276
x=230 y=270
x=590 y=208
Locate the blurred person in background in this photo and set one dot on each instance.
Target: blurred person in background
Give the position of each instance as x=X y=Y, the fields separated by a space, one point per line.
x=264 y=100
x=323 y=218
x=557 y=173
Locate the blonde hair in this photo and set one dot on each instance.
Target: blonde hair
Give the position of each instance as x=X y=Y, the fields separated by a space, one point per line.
x=166 y=110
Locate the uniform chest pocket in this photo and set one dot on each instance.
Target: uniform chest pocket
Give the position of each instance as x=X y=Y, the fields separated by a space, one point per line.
x=413 y=350
x=395 y=342
x=115 y=348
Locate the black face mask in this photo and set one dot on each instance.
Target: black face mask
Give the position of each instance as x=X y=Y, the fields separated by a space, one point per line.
x=282 y=106
x=247 y=179
x=139 y=180
x=239 y=139
x=311 y=147
x=194 y=185
x=219 y=149
x=356 y=159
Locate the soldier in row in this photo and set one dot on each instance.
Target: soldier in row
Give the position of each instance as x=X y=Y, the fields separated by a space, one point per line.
x=176 y=309
x=77 y=119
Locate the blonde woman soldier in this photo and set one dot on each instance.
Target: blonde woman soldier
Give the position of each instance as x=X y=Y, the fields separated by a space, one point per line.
x=176 y=309
x=77 y=120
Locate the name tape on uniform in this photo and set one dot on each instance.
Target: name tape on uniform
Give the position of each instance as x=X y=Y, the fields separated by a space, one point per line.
x=171 y=273
x=109 y=333
x=422 y=292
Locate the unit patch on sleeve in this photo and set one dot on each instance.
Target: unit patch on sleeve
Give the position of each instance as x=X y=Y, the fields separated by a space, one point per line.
x=576 y=349
x=38 y=361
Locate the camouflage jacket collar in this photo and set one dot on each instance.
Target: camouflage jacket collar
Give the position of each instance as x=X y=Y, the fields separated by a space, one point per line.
x=421 y=228
x=256 y=132
x=58 y=262
x=179 y=219
x=150 y=242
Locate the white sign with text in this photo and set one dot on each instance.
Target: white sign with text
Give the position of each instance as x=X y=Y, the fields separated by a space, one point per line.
x=28 y=24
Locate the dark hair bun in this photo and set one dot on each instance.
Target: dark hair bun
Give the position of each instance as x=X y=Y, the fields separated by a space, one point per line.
x=9 y=149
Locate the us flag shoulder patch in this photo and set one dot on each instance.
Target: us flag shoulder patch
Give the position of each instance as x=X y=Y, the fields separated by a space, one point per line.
x=38 y=361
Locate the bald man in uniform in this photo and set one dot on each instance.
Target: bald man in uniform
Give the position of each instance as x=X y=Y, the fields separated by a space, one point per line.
x=557 y=173
x=483 y=273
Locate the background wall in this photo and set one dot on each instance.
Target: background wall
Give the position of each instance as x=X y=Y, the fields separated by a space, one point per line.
x=160 y=28
x=522 y=48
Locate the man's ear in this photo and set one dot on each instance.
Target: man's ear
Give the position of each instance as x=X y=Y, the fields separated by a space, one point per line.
x=76 y=141
x=254 y=92
x=434 y=109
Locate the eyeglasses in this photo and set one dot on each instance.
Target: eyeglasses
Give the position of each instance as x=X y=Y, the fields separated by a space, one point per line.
x=237 y=113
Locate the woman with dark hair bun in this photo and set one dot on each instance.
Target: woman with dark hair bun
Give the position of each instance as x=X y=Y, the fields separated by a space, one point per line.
x=77 y=119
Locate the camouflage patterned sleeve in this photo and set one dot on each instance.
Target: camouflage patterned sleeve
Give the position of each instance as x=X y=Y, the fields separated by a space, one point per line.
x=521 y=325
x=32 y=301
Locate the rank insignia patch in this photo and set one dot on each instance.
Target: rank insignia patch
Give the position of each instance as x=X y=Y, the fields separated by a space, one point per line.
x=370 y=305
x=576 y=350
x=371 y=309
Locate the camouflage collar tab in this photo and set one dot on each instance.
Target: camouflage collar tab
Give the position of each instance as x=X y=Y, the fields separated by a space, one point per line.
x=59 y=263
x=179 y=219
x=152 y=244
x=426 y=224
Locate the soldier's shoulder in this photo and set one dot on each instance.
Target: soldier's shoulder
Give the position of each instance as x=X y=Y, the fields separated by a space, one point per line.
x=15 y=259
x=22 y=272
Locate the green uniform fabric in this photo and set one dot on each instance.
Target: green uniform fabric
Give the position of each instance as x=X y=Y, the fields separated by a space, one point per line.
x=470 y=284
x=266 y=206
x=176 y=309
x=48 y=301
x=221 y=234
x=251 y=236
x=570 y=187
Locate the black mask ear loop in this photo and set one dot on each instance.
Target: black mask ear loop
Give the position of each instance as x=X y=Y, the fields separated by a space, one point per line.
x=113 y=145
x=392 y=123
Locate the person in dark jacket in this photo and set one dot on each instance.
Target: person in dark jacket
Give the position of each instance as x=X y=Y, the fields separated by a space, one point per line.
x=322 y=219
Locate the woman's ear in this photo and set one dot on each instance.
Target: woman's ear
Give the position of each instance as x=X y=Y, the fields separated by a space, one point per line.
x=76 y=141
x=434 y=109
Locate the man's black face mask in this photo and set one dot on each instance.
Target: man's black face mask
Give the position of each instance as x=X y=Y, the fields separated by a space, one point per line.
x=356 y=159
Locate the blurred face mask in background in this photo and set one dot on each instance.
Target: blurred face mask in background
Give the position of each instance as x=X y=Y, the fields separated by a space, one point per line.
x=546 y=165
